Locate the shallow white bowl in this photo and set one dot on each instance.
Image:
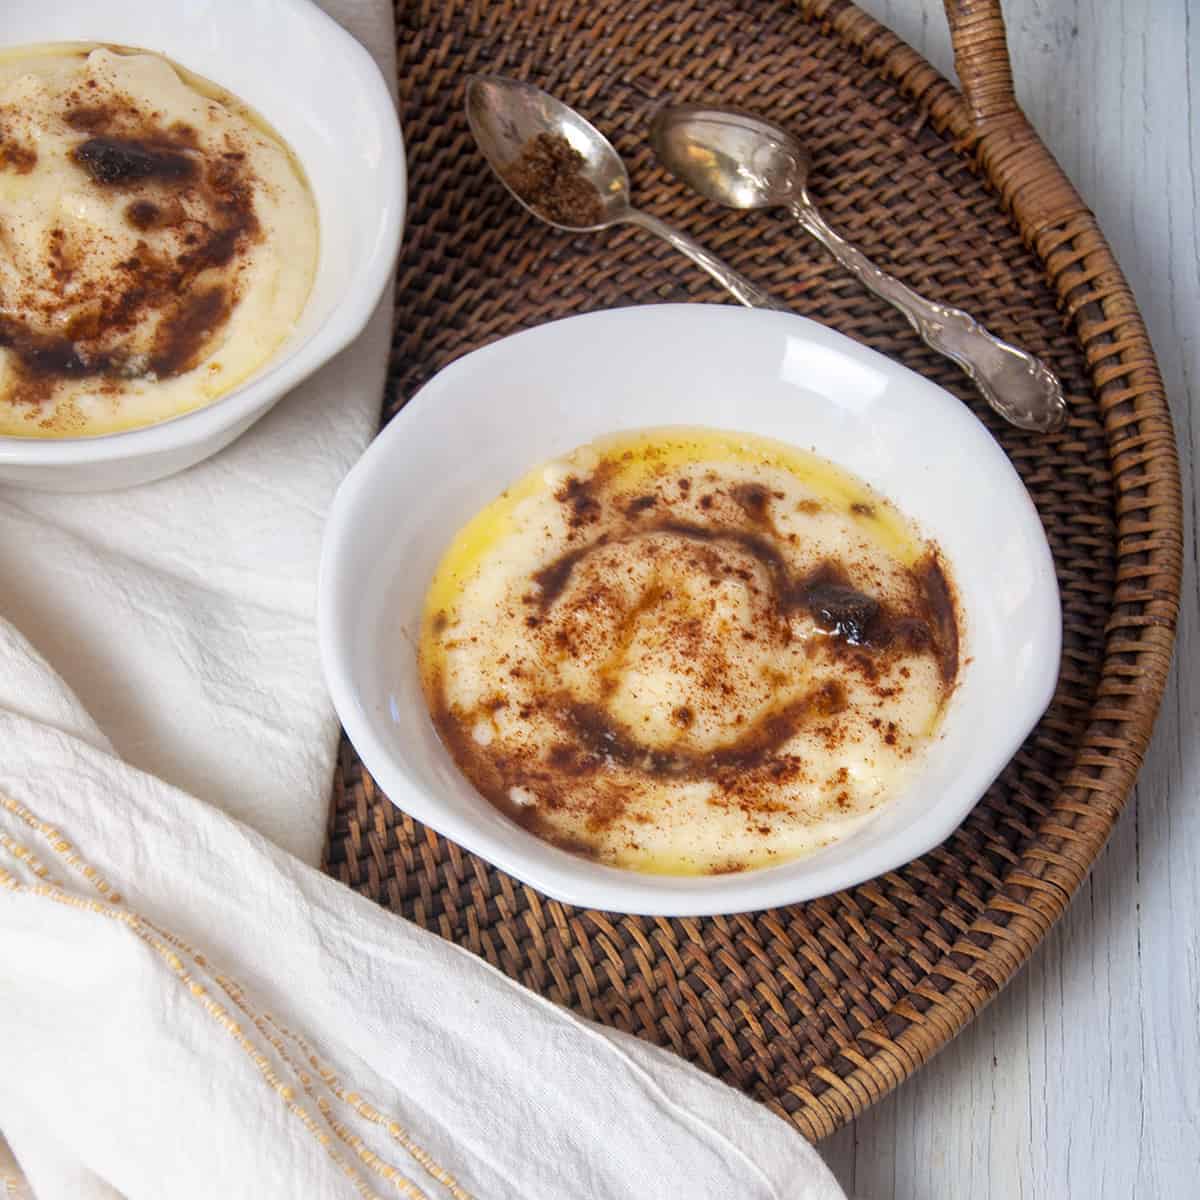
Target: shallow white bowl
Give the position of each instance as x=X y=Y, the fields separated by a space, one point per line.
x=486 y=419
x=323 y=93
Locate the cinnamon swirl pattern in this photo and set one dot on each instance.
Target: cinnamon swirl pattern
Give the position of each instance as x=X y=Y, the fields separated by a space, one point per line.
x=689 y=651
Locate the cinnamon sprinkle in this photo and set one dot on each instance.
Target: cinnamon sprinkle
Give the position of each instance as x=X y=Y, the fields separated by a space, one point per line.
x=636 y=567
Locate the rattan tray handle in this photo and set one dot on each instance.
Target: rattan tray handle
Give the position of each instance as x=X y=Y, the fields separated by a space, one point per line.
x=1056 y=222
x=981 y=59
x=1031 y=182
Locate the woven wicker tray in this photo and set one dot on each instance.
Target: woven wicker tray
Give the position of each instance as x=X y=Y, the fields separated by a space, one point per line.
x=822 y=1008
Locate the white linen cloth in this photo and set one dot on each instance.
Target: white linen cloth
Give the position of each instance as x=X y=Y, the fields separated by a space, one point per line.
x=188 y=1010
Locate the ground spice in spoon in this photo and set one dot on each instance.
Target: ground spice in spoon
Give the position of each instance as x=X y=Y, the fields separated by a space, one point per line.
x=548 y=176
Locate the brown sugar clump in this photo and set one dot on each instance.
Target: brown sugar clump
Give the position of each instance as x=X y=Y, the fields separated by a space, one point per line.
x=548 y=176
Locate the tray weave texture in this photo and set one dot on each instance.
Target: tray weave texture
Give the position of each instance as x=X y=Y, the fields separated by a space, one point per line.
x=819 y=1009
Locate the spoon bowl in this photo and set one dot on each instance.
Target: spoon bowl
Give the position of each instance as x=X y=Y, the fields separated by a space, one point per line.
x=730 y=157
x=506 y=114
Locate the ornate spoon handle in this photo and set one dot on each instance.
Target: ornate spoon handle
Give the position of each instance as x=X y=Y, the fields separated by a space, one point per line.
x=1021 y=388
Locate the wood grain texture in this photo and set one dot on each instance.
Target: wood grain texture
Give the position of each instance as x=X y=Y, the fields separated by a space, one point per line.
x=1083 y=1078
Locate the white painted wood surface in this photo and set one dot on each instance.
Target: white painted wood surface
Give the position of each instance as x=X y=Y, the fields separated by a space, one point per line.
x=1083 y=1079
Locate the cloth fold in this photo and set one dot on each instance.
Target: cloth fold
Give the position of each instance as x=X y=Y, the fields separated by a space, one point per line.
x=186 y=1007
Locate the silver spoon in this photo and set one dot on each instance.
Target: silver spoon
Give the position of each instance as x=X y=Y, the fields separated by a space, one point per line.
x=744 y=162
x=505 y=115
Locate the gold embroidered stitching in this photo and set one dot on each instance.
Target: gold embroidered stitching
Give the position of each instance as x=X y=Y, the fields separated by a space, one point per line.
x=358 y=1103
x=393 y=1128
x=15 y=1187
x=12 y=1181
x=365 y=1153
x=141 y=925
x=25 y=855
x=62 y=848
x=380 y=1165
x=134 y=924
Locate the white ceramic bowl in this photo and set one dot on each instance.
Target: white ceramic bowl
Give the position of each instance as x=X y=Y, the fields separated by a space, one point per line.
x=486 y=419
x=323 y=93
